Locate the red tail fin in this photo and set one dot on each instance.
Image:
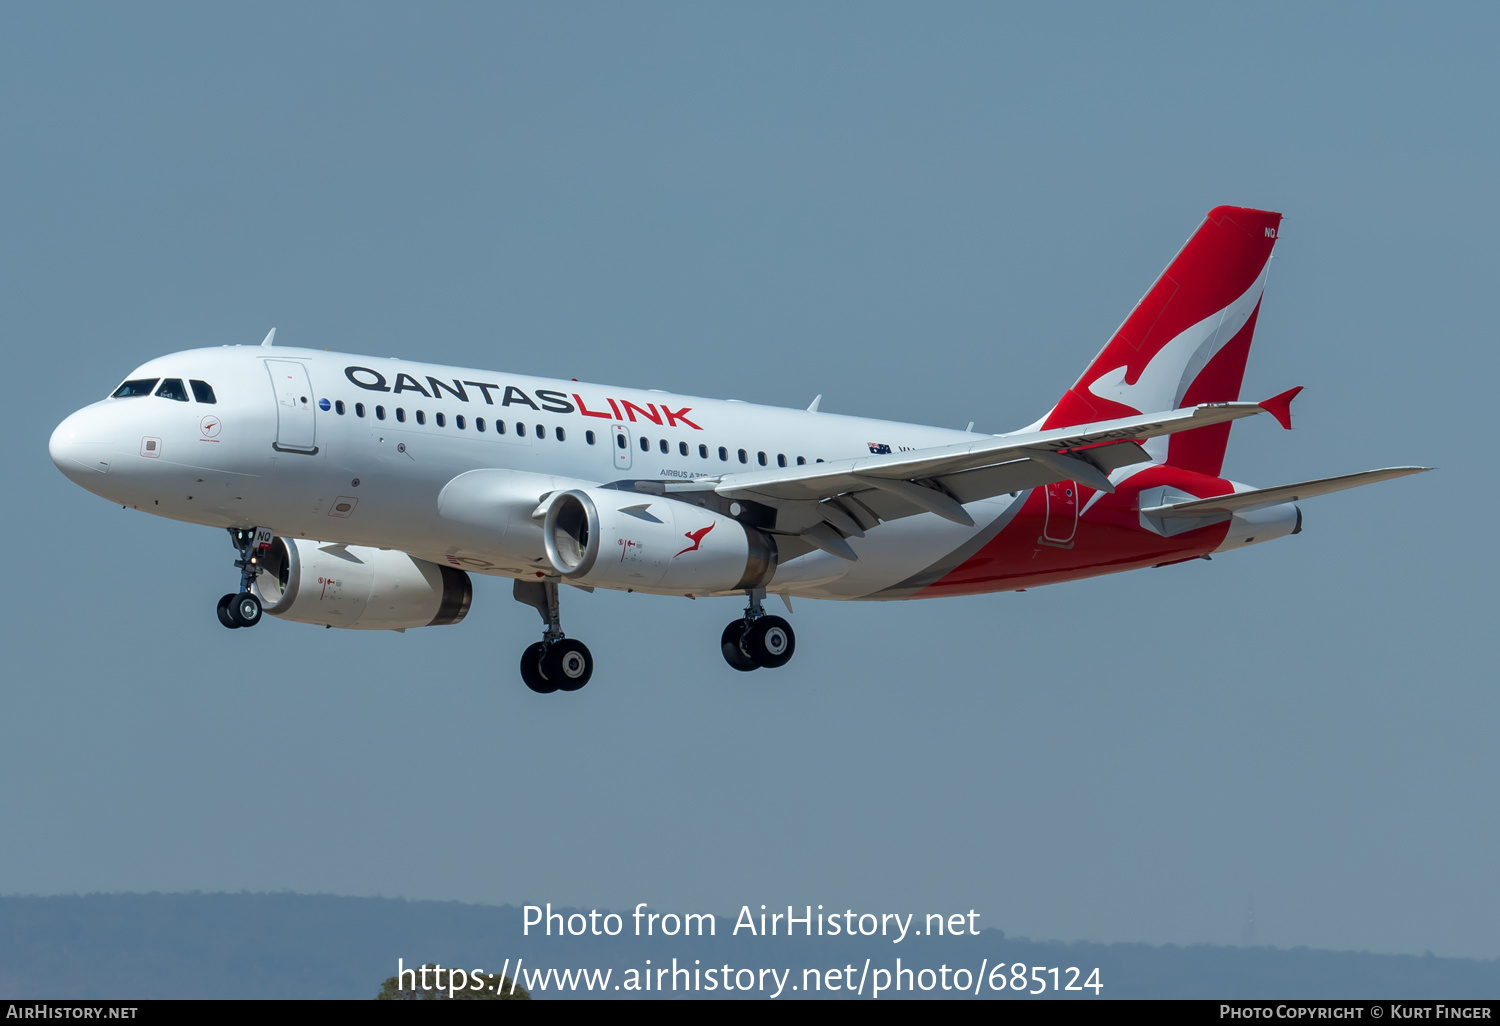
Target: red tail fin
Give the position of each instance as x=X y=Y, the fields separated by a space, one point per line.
x=1186 y=341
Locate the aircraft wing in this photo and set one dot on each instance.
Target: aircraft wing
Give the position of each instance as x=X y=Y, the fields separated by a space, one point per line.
x=1219 y=506
x=828 y=502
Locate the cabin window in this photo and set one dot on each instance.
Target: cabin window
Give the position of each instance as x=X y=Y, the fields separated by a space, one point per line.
x=441 y=419
x=780 y=459
x=703 y=452
x=723 y=454
x=588 y=436
x=801 y=461
x=380 y=413
x=744 y=457
x=499 y=427
x=338 y=407
x=421 y=416
x=458 y=421
x=172 y=388
x=479 y=424
x=401 y=414
x=664 y=447
x=541 y=431
x=645 y=444
x=682 y=447
x=760 y=458
x=620 y=440
x=520 y=429
x=359 y=409
x=562 y=436
x=140 y=386
x=204 y=392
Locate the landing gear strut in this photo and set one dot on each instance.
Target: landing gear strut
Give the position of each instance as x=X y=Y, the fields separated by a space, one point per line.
x=556 y=663
x=242 y=608
x=757 y=639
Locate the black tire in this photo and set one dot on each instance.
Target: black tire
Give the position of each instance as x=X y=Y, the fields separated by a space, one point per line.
x=770 y=641
x=245 y=609
x=568 y=664
x=225 y=616
x=531 y=669
x=730 y=643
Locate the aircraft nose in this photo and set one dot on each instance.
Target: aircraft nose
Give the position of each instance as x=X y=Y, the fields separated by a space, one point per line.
x=81 y=446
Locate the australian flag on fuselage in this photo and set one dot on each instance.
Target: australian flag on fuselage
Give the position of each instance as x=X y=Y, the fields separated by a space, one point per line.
x=879 y=448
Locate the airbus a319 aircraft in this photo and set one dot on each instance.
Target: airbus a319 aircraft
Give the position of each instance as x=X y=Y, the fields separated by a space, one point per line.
x=362 y=492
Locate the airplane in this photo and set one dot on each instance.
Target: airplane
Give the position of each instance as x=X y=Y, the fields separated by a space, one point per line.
x=362 y=492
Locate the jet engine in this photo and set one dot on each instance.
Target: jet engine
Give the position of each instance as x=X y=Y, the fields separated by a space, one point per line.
x=360 y=587
x=618 y=539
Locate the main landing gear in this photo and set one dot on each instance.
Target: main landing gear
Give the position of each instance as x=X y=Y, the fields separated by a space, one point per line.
x=556 y=663
x=242 y=608
x=757 y=639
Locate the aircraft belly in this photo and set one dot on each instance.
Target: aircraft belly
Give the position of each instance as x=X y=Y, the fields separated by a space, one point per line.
x=891 y=553
x=1107 y=539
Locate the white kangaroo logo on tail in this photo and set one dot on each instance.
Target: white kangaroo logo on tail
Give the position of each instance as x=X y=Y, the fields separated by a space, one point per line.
x=1166 y=378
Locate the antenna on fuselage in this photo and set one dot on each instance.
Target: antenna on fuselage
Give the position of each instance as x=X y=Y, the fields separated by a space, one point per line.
x=270 y=338
x=813 y=406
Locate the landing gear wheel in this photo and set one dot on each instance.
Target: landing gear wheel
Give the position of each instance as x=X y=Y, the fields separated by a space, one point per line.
x=770 y=641
x=531 y=669
x=226 y=617
x=568 y=664
x=730 y=645
x=244 y=609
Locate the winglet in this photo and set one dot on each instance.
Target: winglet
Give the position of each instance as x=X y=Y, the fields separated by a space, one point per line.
x=1280 y=406
x=270 y=338
x=812 y=407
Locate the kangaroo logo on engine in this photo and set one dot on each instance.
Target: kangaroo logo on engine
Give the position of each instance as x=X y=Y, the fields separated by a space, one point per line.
x=696 y=537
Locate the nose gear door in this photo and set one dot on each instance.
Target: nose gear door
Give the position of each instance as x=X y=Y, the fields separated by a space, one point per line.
x=295 y=427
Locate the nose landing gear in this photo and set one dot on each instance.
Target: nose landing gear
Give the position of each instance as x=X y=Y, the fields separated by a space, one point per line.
x=757 y=639
x=242 y=608
x=556 y=663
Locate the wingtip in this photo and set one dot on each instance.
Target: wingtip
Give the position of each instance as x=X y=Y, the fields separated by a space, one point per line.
x=1280 y=406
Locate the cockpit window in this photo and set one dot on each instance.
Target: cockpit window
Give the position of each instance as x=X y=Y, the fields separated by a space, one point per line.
x=204 y=392
x=140 y=386
x=172 y=388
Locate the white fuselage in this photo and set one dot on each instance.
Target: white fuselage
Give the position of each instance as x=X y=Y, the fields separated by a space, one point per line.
x=358 y=450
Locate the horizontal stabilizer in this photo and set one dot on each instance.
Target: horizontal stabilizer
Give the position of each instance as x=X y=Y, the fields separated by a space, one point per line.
x=1238 y=502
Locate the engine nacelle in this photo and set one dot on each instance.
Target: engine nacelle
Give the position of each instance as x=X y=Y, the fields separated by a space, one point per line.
x=617 y=539
x=360 y=587
x=486 y=517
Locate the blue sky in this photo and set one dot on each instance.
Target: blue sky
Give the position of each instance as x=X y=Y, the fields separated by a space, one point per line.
x=926 y=213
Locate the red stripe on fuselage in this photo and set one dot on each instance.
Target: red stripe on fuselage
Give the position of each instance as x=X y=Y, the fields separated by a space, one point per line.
x=1109 y=538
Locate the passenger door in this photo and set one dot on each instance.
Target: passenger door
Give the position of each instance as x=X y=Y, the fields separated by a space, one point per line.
x=295 y=427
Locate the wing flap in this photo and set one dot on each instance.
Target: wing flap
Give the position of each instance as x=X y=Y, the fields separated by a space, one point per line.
x=1015 y=476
